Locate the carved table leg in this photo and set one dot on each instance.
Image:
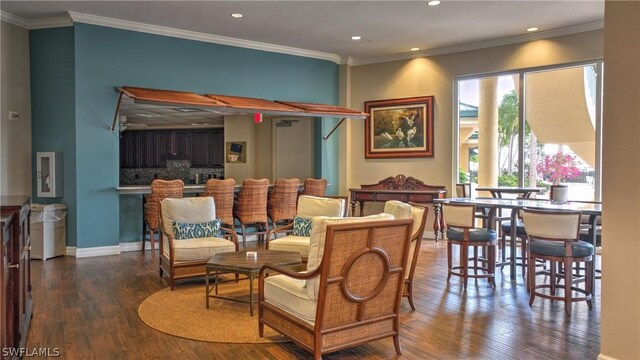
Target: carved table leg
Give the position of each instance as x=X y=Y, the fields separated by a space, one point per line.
x=437 y=222
x=353 y=208
x=361 y=208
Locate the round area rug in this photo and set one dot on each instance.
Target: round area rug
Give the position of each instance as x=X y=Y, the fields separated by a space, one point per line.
x=183 y=313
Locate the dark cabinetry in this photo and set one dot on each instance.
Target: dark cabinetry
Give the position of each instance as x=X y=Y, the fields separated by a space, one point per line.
x=152 y=148
x=15 y=274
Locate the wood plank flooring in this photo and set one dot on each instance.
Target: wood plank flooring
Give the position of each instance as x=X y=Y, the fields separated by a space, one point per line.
x=88 y=309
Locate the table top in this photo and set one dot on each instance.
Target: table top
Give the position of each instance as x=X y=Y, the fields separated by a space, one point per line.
x=585 y=207
x=381 y=191
x=238 y=260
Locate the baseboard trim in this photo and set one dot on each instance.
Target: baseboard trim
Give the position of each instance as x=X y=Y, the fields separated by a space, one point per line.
x=71 y=251
x=601 y=356
x=98 y=251
x=130 y=246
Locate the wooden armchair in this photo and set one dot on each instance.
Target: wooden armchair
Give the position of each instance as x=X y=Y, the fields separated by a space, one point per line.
x=352 y=290
x=185 y=258
x=297 y=240
x=418 y=213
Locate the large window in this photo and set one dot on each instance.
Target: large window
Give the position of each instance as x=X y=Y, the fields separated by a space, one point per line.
x=532 y=128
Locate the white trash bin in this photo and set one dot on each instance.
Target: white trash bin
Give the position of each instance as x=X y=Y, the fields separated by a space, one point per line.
x=48 y=230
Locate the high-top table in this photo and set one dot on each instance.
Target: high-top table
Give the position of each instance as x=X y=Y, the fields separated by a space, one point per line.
x=239 y=263
x=592 y=209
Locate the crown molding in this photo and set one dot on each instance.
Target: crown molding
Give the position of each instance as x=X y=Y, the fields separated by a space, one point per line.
x=597 y=25
x=192 y=35
x=35 y=24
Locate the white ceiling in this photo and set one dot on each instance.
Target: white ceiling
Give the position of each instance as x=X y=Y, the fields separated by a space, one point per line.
x=389 y=28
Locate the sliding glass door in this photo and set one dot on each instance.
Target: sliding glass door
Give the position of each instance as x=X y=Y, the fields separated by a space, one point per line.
x=532 y=128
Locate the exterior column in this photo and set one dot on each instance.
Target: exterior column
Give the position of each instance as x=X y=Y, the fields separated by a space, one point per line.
x=488 y=146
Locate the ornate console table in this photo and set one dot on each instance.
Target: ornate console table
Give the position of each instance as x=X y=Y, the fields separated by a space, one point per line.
x=400 y=188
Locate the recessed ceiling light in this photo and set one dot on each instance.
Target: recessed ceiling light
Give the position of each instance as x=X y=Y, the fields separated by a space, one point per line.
x=433 y=3
x=356 y=37
x=531 y=29
x=236 y=15
x=415 y=49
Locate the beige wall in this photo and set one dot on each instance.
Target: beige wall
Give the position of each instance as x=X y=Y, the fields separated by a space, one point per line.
x=620 y=332
x=258 y=139
x=15 y=136
x=435 y=76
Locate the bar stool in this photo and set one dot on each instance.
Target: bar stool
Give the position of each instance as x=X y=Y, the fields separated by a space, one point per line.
x=281 y=206
x=461 y=231
x=554 y=237
x=160 y=190
x=222 y=192
x=314 y=187
x=251 y=206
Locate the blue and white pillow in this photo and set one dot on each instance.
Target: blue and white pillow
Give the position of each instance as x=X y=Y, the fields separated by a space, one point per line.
x=183 y=231
x=301 y=226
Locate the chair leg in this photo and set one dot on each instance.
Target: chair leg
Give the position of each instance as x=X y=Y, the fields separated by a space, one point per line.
x=410 y=295
x=152 y=238
x=144 y=233
x=464 y=260
x=396 y=343
x=492 y=264
x=523 y=254
x=260 y=329
x=449 y=260
x=475 y=261
x=589 y=280
x=244 y=235
x=568 y=282
x=553 y=279
x=531 y=274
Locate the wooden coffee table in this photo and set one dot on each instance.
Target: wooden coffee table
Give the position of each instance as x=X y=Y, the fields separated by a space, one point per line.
x=238 y=263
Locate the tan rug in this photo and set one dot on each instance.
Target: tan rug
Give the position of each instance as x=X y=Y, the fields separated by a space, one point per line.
x=183 y=313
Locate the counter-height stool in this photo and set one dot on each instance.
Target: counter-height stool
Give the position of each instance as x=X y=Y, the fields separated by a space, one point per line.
x=314 y=187
x=554 y=236
x=222 y=192
x=251 y=206
x=281 y=206
x=160 y=190
x=460 y=223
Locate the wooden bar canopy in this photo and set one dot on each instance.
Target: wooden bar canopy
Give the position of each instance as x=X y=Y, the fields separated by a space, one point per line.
x=229 y=105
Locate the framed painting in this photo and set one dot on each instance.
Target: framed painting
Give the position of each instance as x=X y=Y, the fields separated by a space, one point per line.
x=399 y=128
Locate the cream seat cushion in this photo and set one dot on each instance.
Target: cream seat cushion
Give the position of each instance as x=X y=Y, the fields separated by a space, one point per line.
x=291 y=295
x=291 y=243
x=308 y=207
x=198 y=248
x=316 y=248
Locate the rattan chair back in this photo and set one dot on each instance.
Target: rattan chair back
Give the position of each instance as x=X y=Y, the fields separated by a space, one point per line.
x=160 y=190
x=222 y=192
x=283 y=199
x=314 y=187
x=251 y=206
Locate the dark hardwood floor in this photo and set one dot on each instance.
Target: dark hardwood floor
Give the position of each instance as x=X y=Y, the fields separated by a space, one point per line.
x=88 y=309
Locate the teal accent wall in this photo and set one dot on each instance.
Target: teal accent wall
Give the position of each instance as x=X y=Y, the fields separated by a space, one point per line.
x=53 y=111
x=105 y=58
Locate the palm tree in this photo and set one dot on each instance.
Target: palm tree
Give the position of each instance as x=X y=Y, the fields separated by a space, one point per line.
x=508 y=120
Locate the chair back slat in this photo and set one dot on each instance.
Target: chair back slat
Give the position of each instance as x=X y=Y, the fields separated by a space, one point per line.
x=222 y=192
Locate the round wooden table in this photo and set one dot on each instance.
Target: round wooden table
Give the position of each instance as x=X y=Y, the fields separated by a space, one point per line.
x=239 y=263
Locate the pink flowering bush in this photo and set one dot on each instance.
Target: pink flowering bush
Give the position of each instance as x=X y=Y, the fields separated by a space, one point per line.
x=558 y=167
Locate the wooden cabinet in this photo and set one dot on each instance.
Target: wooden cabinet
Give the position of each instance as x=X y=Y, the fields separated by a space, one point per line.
x=152 y=148
x=15 y=273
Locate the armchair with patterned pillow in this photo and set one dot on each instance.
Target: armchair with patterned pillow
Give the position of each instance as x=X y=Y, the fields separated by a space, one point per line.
x=191 y=235
x=298 y=232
